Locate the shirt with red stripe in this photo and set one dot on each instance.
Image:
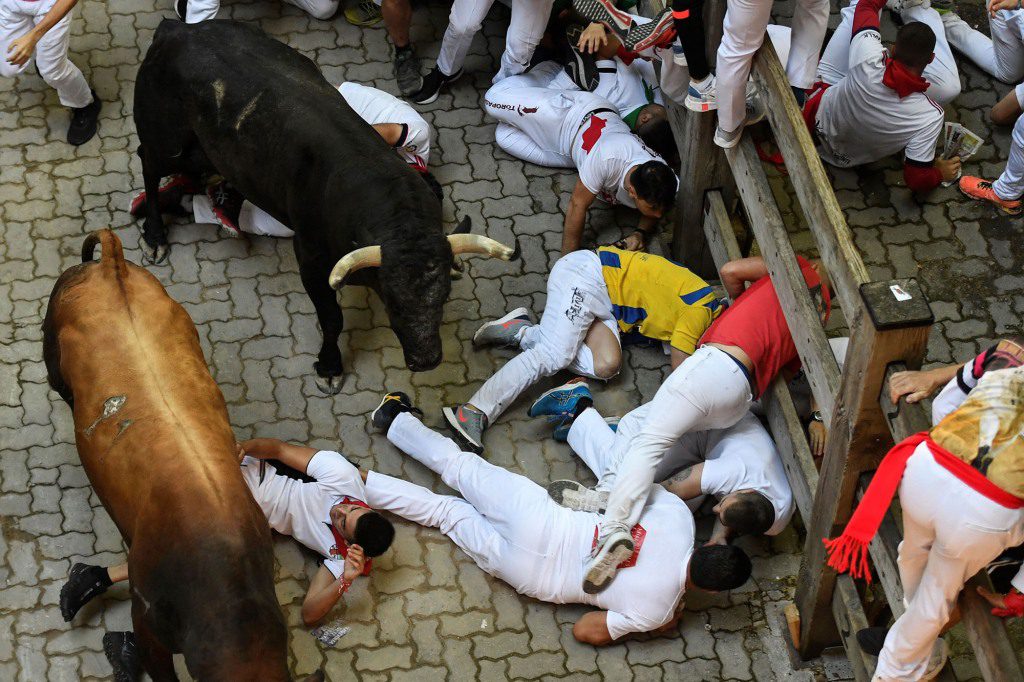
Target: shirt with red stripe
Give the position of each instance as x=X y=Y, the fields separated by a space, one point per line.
x=604 y=150
x=755 y=322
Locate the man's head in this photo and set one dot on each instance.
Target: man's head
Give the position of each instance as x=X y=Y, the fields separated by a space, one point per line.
x=652 y=185
x=716 y=568
x=364 y=527
x=746 y=512
x=915 y=46
x=653 y=128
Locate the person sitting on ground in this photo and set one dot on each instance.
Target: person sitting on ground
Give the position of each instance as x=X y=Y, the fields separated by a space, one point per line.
x=1001 y=55
x=738 y=358
x=592 y=297
x=566 y=129
x=42 y=30
x=961 y=489
x=869 y=105
x=396 y=122
x=328 y=514
x=739 y=465
x=512 y=530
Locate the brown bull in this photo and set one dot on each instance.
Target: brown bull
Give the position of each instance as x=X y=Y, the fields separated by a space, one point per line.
x=153 y=435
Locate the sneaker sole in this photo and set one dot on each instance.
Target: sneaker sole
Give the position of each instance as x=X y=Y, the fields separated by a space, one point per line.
x=606 y=13
x=600 y=575
x=530 y=412
x=463 y=438
x=518 y=312
x=651 y=39
x=694 y=104
x=556 y=489
x=1007 y=211
x=563 y=492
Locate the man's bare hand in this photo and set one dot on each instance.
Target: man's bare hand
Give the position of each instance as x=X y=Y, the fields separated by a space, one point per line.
x=1004 y=605
x=817 y=432
x=355 y=561
x=949 y=168
x=239 y=452
x=20 y=50
x=915 y=385
x=996 y=5
x=637 y=241
x=593 y=38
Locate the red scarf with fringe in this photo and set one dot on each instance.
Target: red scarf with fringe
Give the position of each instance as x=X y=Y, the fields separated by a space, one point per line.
x=849 y=552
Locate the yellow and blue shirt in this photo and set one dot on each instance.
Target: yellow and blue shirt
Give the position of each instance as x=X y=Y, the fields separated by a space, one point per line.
x=657 y=298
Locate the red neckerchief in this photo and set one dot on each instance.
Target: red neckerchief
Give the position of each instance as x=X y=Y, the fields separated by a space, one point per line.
x=901 y=79
x=638 y=533
x=340 y=548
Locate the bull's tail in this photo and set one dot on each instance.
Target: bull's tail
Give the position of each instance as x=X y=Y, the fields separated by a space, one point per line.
x=111 y=253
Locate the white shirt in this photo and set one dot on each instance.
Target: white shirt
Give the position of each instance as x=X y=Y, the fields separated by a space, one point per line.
x=376 y=106
x=860 y=119
x=628 y=86
x=302 y=510
x=604 y=150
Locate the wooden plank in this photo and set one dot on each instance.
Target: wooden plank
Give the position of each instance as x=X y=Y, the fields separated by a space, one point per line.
x=850 y=619
x=825 y=218
x=800 y=311
x=718 y=232
x=857 y=439
x=987 y=634
x=883 y=555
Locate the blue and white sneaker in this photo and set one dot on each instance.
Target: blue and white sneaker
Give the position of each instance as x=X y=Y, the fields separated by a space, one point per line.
x=702 y=98
x=566 y=400
x=561 y=432
x=505 y=331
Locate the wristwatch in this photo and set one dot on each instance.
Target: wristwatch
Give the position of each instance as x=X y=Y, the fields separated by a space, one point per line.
x=816 y=416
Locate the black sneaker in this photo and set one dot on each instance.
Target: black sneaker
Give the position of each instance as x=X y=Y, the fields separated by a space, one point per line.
x=84 y=583
x=181 y=8
x=123 y=655
x=226 y=202
x=392 y=405
x=407 y=71
x=871 y=640
x=581 y=66
x=433 y=82
x=84 y=121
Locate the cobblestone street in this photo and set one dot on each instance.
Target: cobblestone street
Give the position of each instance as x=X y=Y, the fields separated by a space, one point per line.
x=427 y=612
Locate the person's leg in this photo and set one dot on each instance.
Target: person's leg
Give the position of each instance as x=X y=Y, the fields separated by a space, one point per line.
x=592 y=440
x=551 y=345
x=525 y=29
x=318 y=9
x=85 y=583
x=1007 y=110
x=465 y=19
x=810 y=19
x=746 y=22
x=13 y=25
x=942 y=73
x=707 y=391
x=835 y=61
x=56 y=69
x=1010 y=185
x=518 y=144
x=537 y=112
x=397 y=19
x=688 y=16
x=255 y=220
x=200 y=10
x=1001 y=56
x=600 y=356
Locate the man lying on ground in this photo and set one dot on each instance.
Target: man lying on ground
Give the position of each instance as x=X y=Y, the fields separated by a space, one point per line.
x=328 y=514
x=869 y=105
x=739 y=465
x=396 y=122
x=739 y=356
x=510 y=527
x=592 y=297
x=568 y=129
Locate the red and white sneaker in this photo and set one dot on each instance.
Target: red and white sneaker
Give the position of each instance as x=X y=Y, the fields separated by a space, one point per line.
x=981 y=190
x=170 y=193
x=226 y=203
x=659 y=32
x=605 y=12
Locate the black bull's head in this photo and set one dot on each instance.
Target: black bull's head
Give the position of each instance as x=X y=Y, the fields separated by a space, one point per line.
x=414 y=284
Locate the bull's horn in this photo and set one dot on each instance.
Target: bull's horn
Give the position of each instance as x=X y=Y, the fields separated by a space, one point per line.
x=475 y=243
x=366 y=257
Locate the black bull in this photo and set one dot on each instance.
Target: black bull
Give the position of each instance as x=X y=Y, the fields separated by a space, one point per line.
x=223 y=98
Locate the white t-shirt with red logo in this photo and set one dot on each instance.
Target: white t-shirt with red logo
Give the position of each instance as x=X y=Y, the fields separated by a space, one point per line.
x=302 y=510
x=376 y=106
x=604 y=150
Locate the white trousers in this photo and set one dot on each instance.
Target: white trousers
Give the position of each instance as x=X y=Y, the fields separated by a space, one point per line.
x=1002 y=55
x=942 y=73
x=1010 y=184
x=707 y=391
x=201 y=10
x=746 y=22
x=252 y=219
x=950 y=532
x=17 y=17
x=525 y=29
x=503 y=524
x=577 y=297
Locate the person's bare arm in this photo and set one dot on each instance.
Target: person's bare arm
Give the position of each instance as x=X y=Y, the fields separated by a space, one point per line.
x=686 y=483
x=20 y=50
x=295 y=456
x=736 y=273
x=390 y=132
x=592 y=628
x=325 y=590
x=677 y=356
x=918 y=385
x=576 y=217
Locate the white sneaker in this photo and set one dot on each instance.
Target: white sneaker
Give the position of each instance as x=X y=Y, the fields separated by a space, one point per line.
x=578 y=497
x=702 y=98
x=937 y=661
x=610 y=551
x=755 y=114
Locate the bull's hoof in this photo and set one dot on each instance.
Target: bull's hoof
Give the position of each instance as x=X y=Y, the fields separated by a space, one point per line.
x=154 y=255
x=123 y=655
x=330 y=385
